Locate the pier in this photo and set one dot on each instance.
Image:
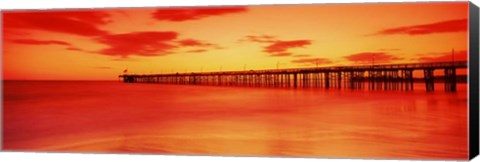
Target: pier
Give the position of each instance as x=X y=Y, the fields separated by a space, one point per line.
x=372 y=77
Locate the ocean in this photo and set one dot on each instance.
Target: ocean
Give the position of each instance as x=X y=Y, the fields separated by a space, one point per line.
x=115 y=117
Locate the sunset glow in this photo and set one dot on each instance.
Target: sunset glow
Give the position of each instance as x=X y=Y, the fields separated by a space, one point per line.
x=378 y=80
x=99 y=44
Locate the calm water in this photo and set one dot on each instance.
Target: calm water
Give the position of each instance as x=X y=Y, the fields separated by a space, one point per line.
x=176 y=119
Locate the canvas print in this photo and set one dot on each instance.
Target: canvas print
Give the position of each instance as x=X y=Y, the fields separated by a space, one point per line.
x=366 y=80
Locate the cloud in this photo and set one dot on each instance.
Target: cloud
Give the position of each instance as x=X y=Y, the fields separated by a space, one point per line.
x=197 y=46
x=260 y=38
x=279 y=48
x=194 y=43
x=275 y=46
x=301 y=55
x=75 y=49
x=138 y=43
x=444 y=57
x=197 y=51
x=194 y=13
x=68 y=46
x=84 y=23
x=370 y=57
x=39 y=42
x=8 y=32
x=312 y=61
x=126 y=59
x=135 y=43
x=457 y=25
x=281 y=54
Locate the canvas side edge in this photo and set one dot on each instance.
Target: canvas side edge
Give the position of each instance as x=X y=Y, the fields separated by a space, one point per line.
x=473 y=74
x=1 y=81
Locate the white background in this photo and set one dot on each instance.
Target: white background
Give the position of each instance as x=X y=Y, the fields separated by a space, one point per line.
x=61 y=157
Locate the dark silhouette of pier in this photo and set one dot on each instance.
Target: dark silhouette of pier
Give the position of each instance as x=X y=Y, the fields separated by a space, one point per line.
x=373 y=77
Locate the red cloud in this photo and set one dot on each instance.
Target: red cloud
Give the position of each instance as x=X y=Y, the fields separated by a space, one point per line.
x=370 y=57
x=261 y=38
x=194 y=13
x=281 y=54
x=13 y=32
x=197 y=51
x=445 y=57
x=312 y=61
x=281 y=47
x=84 y=23
x=301 y=55
x=138 y=43
x=201 y=46
x=458 y=25
x=193 y=42
x=75 y=49
x=39 y=42
x=277 y=47
x=46 y=42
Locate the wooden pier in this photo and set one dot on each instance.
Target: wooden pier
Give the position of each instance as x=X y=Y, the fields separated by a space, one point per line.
x=373 y=77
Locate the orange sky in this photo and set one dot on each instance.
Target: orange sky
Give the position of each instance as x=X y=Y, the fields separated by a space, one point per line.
x=99 y=44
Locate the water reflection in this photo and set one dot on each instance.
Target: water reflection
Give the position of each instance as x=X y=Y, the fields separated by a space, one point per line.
x=176 y=119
